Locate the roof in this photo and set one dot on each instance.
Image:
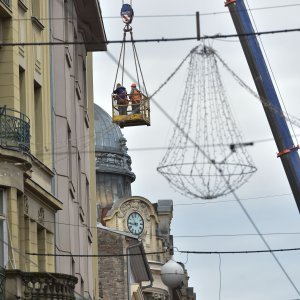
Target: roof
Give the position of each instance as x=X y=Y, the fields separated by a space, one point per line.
x=110 y=146
x=107 y=134
x=91 y=23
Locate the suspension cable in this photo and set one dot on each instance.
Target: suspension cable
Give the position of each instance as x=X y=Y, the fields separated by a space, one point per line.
x=135 y=59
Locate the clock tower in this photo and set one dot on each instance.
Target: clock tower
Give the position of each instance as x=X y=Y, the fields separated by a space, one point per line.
x=126 y=217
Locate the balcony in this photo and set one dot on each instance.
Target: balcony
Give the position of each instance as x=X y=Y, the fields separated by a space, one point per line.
x=39 y=285
x=14 y=130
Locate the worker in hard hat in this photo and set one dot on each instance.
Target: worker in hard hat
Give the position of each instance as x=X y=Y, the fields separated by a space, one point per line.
x=120 y=94
x=135 y=96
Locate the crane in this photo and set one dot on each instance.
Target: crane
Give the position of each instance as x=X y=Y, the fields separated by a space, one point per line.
x=287 y=151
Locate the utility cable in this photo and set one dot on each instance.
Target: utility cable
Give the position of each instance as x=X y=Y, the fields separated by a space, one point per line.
x=163 y=252
x=97 y=255
x=271 y=71
x=241 y=252
x=186 y=236
x=292 y=119
x=160 y=16
x=205 y=37
x=220 y=276
x=202 y=14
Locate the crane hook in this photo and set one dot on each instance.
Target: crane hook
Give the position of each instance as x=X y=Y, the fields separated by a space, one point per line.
x=127 y=13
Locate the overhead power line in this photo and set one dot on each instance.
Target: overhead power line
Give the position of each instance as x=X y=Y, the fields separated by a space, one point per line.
x=164 y=15
x=96 y=255
x=205 y=37
x=240 y=252
x=162 y=252
x=202 y=14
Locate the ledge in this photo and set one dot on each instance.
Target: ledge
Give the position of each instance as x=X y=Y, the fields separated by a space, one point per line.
x=45 y=196
x=5 y=10
x=37 y=23
x=23 y=5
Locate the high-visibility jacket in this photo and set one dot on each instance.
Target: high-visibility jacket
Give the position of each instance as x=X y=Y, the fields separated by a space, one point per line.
x=135 y=96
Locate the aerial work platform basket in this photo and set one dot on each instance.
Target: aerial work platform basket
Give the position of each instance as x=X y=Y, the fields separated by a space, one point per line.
x=129 y=114
x=130 y=108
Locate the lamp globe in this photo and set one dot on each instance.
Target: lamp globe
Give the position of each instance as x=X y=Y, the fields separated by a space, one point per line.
x=172 y=274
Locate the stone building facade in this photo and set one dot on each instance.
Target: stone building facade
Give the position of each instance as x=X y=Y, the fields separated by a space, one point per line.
x=79 y=24
x=27 y=204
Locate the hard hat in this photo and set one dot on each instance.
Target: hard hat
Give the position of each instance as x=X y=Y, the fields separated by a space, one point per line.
x=133 y=84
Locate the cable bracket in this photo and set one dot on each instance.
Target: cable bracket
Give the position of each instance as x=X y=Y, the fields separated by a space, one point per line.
x=286 y=151
x=228 y=2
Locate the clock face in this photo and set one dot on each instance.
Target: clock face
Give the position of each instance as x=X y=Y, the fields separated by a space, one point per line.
x=135 y=223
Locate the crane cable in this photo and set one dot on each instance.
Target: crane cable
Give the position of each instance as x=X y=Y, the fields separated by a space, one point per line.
x=137 y=64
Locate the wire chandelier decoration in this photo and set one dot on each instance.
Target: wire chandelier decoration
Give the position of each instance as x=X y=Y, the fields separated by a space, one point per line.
x=206 y=157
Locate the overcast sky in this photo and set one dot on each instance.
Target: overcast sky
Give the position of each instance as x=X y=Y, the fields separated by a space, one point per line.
x=267 y=196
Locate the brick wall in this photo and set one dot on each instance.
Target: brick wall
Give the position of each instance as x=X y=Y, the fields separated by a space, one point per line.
x=112 y=270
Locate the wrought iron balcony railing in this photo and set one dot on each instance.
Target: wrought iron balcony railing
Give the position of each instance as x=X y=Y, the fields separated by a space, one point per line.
x=14 y=129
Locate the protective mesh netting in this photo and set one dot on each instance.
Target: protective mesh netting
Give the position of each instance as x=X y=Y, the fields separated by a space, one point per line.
x=206 y=157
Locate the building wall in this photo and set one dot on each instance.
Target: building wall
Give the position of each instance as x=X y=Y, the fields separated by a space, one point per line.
x=112 y=270
x=26 y=176
x=93 y=202
x=73 y=149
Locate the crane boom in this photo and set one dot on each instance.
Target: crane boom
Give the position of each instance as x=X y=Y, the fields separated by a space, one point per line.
x=261 y=76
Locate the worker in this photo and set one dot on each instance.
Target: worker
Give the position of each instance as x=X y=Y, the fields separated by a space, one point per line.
x=120 y=94
x=135 y=96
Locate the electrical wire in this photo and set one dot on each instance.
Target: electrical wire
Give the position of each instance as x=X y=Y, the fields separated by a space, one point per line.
x=202 y=14
x=161 y=16
x=186 y=236
x=97 y=255
x=205 y=37
x=272 y=72
x=241 y=252
x=220 y=276
x=163 y=252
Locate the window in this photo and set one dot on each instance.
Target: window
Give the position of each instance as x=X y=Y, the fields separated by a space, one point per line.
x=7 y=2
x=36 y=9
x=66 y=29
x=3 y=230
x=70 y=153
x=1 y=31
x=42 y=248
x=38 y=120
x=22 y=91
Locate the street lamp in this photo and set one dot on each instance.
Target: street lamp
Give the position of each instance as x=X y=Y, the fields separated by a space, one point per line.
x=172 y=274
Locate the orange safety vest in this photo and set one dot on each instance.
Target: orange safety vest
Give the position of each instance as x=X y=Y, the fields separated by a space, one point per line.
x=136 y=96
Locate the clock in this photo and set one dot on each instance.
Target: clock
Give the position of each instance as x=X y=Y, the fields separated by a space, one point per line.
x=135 y=223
